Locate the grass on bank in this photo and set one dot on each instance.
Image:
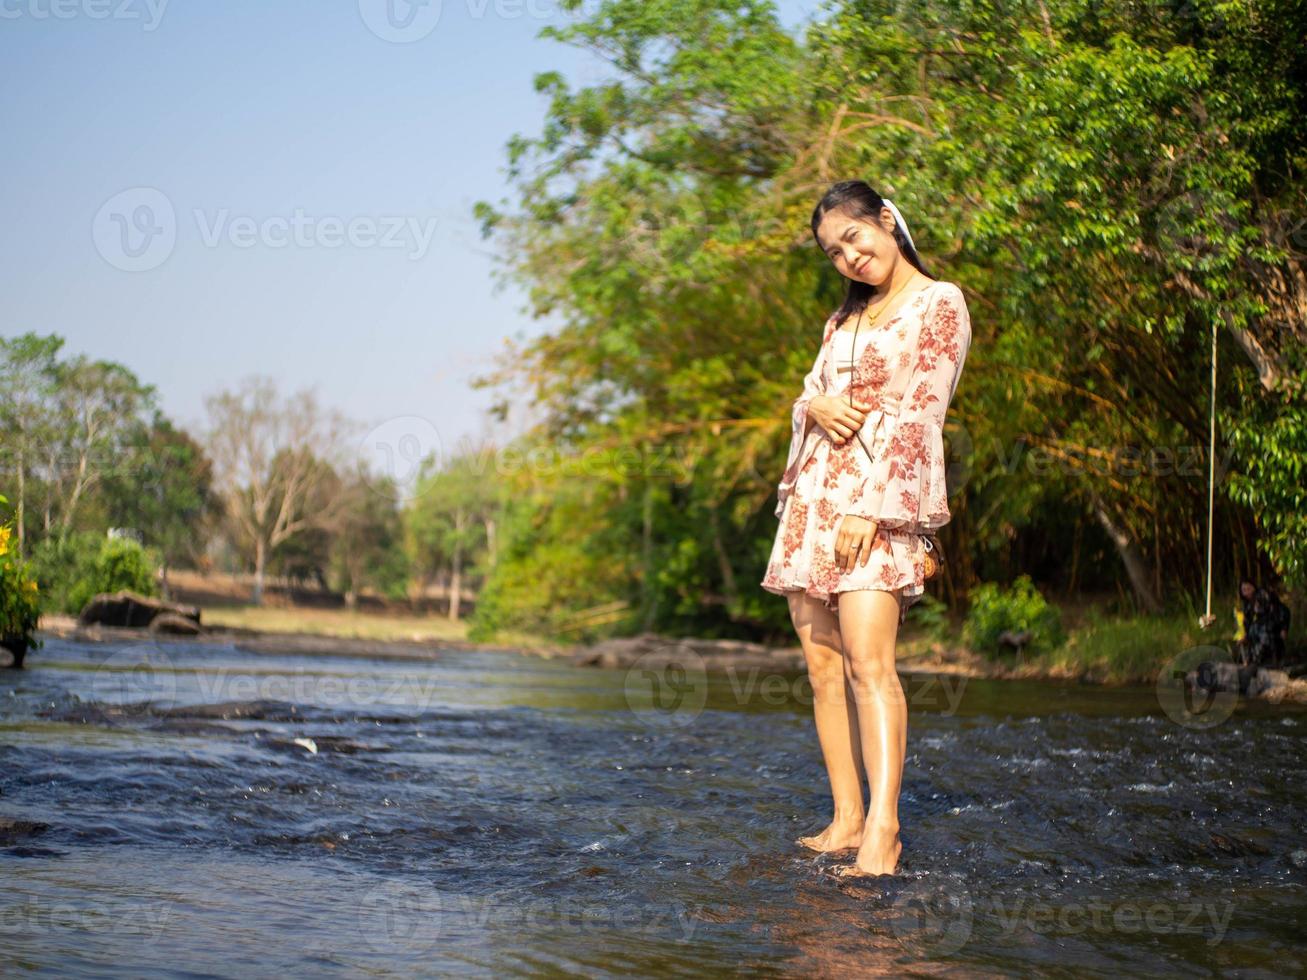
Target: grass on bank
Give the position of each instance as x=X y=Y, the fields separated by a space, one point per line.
x=334 y=622
x=1125 y=649
x=342 y=624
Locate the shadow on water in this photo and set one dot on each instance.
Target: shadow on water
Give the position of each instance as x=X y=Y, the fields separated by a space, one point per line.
x=180 y=809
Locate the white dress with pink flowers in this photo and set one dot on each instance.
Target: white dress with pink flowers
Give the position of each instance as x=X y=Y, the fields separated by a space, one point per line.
x=908 y=369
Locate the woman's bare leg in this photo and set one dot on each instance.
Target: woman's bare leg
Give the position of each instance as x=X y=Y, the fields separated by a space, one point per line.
x=837 y=725
x=869 y=623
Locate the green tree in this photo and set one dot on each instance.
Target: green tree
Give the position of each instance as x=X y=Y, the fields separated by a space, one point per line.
x=28 y=379
x=367 y=545
x=1105 y=181
x=450 y=522
x=163 y=488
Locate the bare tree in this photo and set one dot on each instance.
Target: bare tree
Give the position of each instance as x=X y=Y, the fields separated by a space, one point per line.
x=96 y=406
x=271 y=462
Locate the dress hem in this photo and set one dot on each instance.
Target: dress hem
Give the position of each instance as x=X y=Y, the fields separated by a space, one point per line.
x=909 y=593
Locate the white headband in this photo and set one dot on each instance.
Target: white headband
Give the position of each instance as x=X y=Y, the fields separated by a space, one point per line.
x=899 y=218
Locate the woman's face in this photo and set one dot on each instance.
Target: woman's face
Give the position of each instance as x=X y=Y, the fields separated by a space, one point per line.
x=860 y=248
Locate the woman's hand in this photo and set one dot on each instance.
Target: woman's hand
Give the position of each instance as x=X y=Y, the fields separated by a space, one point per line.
x=853 y=543
x=837 y=417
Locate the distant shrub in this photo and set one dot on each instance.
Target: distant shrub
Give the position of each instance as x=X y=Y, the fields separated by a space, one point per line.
x=995 y=609
x=73 y=570
x=20 y=604
x=931 y=617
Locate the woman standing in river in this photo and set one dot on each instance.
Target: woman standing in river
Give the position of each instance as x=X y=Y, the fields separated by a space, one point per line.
x=864 y=478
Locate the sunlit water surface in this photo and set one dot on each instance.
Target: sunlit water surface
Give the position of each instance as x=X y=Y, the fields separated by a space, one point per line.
x=186 y=810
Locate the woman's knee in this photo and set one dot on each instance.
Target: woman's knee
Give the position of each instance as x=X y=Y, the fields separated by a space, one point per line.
x=871 y=664
x=823 y=661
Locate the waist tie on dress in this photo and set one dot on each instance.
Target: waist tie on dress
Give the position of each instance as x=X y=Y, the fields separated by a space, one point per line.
x=882 y=405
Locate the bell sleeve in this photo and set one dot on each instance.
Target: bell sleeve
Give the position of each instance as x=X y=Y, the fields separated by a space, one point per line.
x=904 y=484
x=813 y=385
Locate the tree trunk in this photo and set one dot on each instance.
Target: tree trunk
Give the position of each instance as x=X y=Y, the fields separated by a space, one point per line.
x=490 y=541
x=1134 y=564
x=22 y=492
x=455 y=586
x=1268 y=371
x=456 y=566
x=260 y=556
x=723 y=560
x=646 y=560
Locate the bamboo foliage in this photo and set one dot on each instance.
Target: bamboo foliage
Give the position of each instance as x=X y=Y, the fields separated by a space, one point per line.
x=1103 y=180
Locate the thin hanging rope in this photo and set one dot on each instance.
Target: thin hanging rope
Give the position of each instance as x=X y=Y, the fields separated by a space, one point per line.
x=1211 y=480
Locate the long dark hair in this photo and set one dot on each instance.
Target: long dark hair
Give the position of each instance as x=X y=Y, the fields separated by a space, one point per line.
x=856 y=199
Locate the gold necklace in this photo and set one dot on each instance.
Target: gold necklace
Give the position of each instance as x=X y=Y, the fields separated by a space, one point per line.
x=853 y=353
x=885 y=304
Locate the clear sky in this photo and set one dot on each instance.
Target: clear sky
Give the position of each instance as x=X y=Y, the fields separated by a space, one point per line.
x=207 y=190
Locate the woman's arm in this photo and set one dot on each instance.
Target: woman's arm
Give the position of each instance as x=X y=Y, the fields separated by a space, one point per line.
x=801 y=421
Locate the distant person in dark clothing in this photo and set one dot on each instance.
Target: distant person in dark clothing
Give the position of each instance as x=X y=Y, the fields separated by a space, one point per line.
x=1267 y=627
x=1280 y=617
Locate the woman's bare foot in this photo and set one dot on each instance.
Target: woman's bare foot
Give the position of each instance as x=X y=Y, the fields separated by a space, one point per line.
x=879 y=852
x=843 y=833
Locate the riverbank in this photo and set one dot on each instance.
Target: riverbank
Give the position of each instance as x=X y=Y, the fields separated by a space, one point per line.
x=1106 y=653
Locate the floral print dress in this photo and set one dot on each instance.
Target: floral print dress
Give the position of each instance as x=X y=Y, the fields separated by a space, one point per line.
x=908 y=372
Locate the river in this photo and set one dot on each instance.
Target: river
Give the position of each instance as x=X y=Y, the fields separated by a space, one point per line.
x=182 y=810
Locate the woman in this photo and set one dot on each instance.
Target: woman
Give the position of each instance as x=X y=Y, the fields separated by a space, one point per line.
x=865 y=476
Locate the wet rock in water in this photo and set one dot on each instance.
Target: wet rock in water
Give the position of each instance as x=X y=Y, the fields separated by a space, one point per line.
x=12 y=653
x=1277 y=685
x=1219 y=676
x=12 y=830
x=226 y=710
x=651 y=650
x=337 y=744
x=1254 y=682
x=175 y=625
x=131 y=609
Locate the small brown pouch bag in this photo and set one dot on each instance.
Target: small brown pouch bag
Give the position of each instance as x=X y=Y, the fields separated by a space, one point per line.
x=934 y=556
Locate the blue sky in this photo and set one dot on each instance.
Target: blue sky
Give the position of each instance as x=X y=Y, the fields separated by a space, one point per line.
x=246 y=120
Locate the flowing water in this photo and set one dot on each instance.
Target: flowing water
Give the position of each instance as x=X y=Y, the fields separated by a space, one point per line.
x=191 y=810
